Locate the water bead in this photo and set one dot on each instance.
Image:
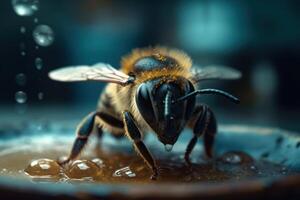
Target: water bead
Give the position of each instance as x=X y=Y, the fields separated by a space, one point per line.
x=236 y=158
x=98 y=162
x=25 y=7
x=38 y=63
x=43 y=35
x=21 y=97
x=124 y=172
x=81 y=169
x=40 y=96
x=22 y=29
x=43 y=167
x=21 y=79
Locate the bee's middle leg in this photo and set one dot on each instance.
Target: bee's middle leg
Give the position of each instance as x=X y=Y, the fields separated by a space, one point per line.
x=204 y=123
x=134 y=134
x=83 y=132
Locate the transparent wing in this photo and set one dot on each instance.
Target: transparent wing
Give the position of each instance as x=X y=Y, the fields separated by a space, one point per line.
x=98 y=72
x=214 y=72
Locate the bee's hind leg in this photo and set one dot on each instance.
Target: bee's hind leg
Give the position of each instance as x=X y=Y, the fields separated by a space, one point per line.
x=204 y=123
x=134 y=134
x=83 y=132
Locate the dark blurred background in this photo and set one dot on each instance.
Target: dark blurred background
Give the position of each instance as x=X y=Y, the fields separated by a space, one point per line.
x=260 y=38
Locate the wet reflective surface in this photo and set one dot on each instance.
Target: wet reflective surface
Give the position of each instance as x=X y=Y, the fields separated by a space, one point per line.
x=114 y=161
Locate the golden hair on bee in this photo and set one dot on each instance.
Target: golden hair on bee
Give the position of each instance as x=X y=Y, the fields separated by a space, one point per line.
x=180 y=69
x=155 y=90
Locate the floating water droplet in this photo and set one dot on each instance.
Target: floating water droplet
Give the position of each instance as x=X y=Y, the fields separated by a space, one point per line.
x=38 y=63
x=23 y=53
x=43 y=35
x=40 y=96
x=37 y=47
x=168 y=147
x=22 y=29
x=21 y=97
x=36 y=20
x=21 y=79
x=25 y=7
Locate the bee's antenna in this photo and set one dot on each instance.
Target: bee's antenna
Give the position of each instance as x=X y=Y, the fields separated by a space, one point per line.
x=209 y=91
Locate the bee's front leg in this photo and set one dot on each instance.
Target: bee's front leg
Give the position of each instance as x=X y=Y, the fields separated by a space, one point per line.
x=204 y=124
x=134 y=134
x=84 y=130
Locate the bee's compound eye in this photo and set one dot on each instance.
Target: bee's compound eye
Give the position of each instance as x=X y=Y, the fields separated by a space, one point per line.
x=143 y=94
x=144 y=104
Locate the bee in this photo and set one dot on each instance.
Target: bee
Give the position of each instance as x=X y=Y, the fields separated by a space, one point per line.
x=154 y=90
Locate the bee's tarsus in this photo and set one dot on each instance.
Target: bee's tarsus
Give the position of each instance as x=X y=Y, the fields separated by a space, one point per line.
x=135 y=135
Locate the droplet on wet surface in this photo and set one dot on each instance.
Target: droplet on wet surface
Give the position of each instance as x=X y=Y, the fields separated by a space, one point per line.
x=124 y=172
x=25 y=7
x=43 y=35
x=235 y=158
x=98 y=162
x=43 y=167
x=21 y=97
x=21 y=79
x=38 y=63
x=81 y=169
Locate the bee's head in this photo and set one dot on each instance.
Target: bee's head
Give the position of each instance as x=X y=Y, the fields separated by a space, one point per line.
x=154 y=100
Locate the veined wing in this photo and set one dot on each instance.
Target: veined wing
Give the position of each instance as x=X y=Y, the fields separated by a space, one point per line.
x=99 y=72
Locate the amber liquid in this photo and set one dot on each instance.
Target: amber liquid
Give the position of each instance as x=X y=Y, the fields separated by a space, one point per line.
x=35 y=159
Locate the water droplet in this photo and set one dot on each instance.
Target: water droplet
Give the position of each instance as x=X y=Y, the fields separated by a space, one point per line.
x=98 y=162
x=168 y=147
x=21 y=97
x=38 y=63
x=236 y=157
x=21 y=79
x=43 y=167
x=126 y=171
x=23 y=53
x=81 y=169
x=25 y=7
x=37 y=47
x=40 y=96
x=283 y=170
x=43 y=35
x=36 y=20
x=22 y=29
